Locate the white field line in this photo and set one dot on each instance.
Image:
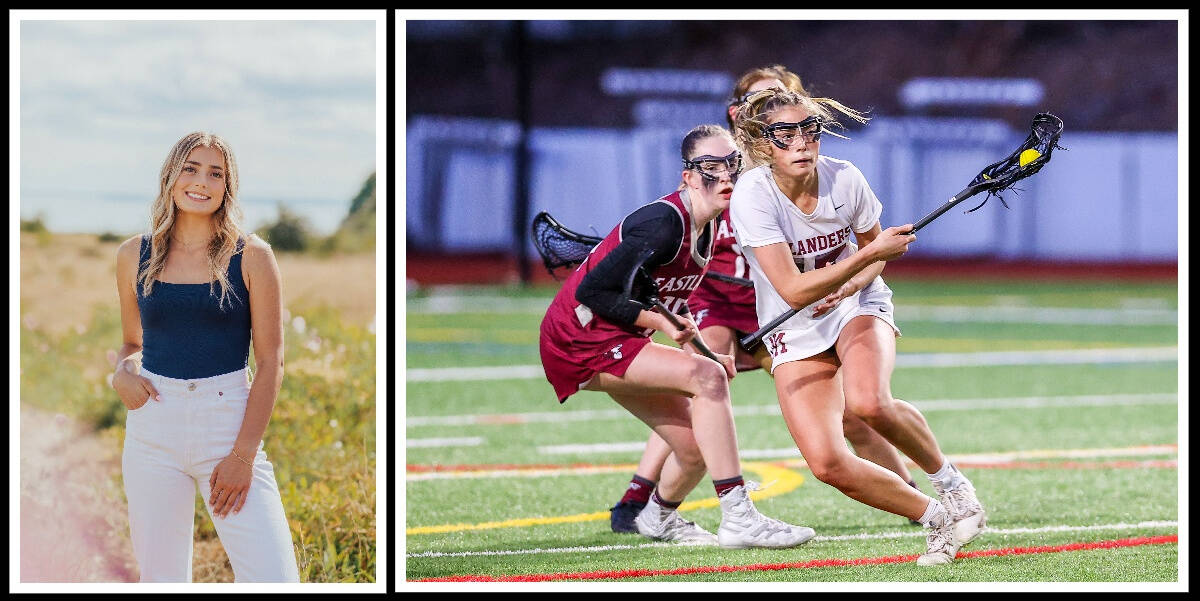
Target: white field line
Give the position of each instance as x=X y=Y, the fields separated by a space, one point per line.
x=903 y=360
x=794 y=460
x=464 y=374
x=588 y=449
x=998 y=313
x=472 y=441
x=879 y=536
x=1038 y=315
x=588 y=415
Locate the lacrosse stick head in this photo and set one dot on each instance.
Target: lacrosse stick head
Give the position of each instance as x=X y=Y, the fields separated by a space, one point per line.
x=1027 y=159
x=1033 y=153
x=558 y=246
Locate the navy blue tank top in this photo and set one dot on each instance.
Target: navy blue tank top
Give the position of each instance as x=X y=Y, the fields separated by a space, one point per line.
x=185 y=334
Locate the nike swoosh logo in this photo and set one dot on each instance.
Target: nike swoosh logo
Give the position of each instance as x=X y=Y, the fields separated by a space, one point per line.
x=836 y=207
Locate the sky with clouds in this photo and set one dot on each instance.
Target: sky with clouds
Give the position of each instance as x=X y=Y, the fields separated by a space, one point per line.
x=102 y=102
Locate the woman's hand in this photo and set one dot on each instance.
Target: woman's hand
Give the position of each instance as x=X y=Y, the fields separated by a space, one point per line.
x=229 y=485
x=892 y=242
x=134 y=390
x=829 y=302
x=680 y=336
x=727 y=362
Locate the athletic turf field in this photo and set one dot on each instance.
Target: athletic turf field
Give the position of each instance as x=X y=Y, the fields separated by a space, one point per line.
x=1059 y=401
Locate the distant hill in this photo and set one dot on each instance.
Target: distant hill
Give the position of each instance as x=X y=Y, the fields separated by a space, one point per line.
x=357 y=230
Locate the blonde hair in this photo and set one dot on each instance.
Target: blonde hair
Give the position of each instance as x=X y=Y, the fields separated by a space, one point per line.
x=789 y=80
x=752 y=118
x=226 y=230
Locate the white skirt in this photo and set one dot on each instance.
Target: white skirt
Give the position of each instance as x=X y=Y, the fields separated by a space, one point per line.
x=802 y=336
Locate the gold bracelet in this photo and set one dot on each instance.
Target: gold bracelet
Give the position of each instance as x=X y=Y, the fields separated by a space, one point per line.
x=239 y=457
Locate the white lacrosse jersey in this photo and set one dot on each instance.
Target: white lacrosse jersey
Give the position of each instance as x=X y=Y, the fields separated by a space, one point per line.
x=762 y=214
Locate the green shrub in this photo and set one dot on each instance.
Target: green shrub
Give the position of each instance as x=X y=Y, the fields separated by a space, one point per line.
x=289 y=233
x=34 y=225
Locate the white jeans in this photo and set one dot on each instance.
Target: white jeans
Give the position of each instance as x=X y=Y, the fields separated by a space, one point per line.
x=171 y=446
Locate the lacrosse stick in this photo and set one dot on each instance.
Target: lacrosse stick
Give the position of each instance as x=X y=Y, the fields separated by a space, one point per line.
x=1026 y=160
x=561 y=247
x=649 y=292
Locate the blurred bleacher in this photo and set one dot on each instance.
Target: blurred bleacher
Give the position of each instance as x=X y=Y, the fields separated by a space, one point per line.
x=597 y=149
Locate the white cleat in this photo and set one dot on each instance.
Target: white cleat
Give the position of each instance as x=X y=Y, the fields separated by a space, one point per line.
x=652 y=523
x=940 y=544
x=742 y=526
x=965 y=511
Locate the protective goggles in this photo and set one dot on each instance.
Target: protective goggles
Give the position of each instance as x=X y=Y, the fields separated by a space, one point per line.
x=784 y=135
x=713 y=168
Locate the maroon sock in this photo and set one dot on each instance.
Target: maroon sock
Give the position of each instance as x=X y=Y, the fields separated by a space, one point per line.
x=639 y=490
x=724 y=486
x=664 y=503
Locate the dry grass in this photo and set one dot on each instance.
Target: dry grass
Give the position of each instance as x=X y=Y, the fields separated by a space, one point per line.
x=64 y=277
x=70 y=481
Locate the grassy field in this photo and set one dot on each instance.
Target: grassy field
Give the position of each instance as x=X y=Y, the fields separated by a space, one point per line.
x=321 y=439
x=1063 y=410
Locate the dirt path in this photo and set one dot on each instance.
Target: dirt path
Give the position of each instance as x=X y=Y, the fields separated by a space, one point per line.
x=74 y=526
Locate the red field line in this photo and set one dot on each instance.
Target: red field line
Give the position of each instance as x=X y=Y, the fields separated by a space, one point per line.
x=1014 y=465
x=817 y=563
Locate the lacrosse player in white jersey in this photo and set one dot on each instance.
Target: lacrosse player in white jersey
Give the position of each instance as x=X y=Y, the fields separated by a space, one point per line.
x=809 y=228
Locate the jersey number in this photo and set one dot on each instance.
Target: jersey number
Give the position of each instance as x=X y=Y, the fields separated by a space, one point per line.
x=674 y=304
x=819 y=261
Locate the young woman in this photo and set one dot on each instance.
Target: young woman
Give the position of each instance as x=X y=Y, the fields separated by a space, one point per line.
x=596 y=336
x=194 y=293
x=725 y=312
x=800 y=215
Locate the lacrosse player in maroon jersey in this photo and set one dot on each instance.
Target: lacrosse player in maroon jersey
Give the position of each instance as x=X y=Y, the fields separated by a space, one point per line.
x=596 y=336
x=803 y=217
x=725 y=312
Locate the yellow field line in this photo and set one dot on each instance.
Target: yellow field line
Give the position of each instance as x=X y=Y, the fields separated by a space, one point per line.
x=781 y=480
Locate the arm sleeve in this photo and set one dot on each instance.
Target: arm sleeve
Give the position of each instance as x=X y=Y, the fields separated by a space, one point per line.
x=867 y=208
x=650 y=236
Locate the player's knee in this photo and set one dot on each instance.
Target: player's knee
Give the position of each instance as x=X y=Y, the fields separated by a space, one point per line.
x=832 y=469
x=871 y=405
x=709 y=378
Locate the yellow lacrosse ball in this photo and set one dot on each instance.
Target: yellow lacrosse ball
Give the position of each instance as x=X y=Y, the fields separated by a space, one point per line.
x=1028 y=157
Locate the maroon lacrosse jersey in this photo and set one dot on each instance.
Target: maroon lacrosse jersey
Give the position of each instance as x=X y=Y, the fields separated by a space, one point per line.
x=576 y=344
x=717 y=303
